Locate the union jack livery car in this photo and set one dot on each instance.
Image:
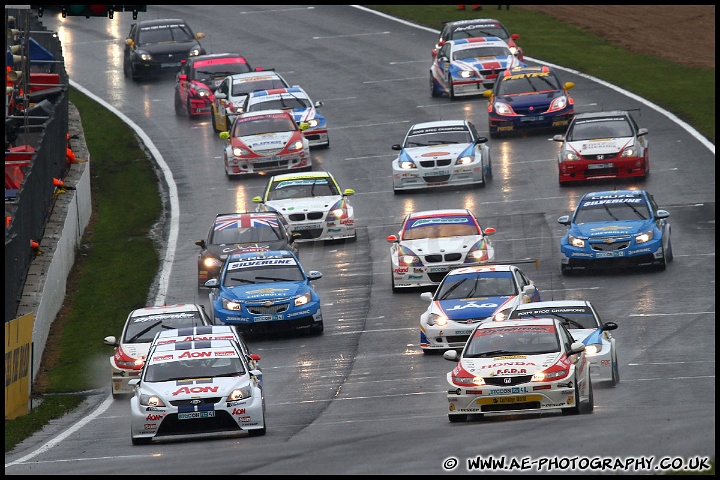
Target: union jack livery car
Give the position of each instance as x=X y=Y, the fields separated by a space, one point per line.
x=469 y=66
x=529 y=98
x=583 y=321
x=313 y=205
x=295 y=100
x=196 y=386
x=430 y=243
x=519 y=366
x=617 y=228
x=265 y=141
x=478 y=27
x=441 y=153
x=467 y=296
x=603 y=145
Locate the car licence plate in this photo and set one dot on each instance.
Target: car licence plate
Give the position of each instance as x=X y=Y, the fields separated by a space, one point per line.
x=306 y=226
x=194 y=415
x=509 y=399
x=609 y=254
x=436 y=173
x=599 y=165
x=170 y=65
x=268 y=318
x=531 y=119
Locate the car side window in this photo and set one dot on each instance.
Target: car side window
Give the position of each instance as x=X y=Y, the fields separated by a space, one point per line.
x=521 y=280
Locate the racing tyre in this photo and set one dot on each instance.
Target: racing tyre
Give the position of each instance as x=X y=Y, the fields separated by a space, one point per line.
x=565 y=271
x=576 y=409
x=615 y=373
x=666 y=258
x=141 y=441
x=178 y=105
x=392 y=282
x=126 y=68
x=669 y=252
x=457 y=418
x=433 y=92
x=212 y=119
x=590 y=405
x=260 y=431
x=451 y=92
x=317 y=328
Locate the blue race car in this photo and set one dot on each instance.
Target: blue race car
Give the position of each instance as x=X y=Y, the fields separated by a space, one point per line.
x=268 y=291
x=615 y=229
x=529 y=98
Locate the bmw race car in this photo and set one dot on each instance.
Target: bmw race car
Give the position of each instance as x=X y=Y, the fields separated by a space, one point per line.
x=197 y=386
x=430 y=243
x=583 y=321
x=469 y=66
x=603 y=145
x=298 y=102
x=470 y=295
x=615 y=229
x=313 y=205
x=441 y=153
x=478 y=27
x=529 y=98
x=519 y=366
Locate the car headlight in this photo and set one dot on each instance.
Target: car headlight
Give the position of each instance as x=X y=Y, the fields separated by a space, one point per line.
x=303 y=299
x=593 y=348
x=240 y=152
x=406 y=165
x=295 y=146
x=501 y=316
x=645 y=237
x=576 y=242
x=477 y=255
x=558 y=104
x=336 y=214
x=437 y=319
x=503 y=109
x=569 y=156
x=144 y=56
x=240 y=393
x=514 y=50
x=465 y=160
x=468 y=380
x=194 y=52
x=230 y=304
x=130 y=363
x=151 y=400
x=313 y=123
x=211 y=262
x=409 y=260
x=466 y=74
x=631 y=151
x=547 y=376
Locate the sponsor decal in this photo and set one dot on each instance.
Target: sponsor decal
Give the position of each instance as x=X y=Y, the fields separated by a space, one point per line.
x=225 y=354
x=238 y=411
x=196 y=389
x=244 y=419
x=297 y=314
x=260 y=263
x=505 y=391
x=163 y=316
x=195 y=354
x=509 y=371
x=149 y=426
x=400 y=270
x=473 y=305
x=153 y=417
x=161 y=358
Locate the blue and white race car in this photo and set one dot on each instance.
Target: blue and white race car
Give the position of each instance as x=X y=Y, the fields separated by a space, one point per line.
x=616 y=228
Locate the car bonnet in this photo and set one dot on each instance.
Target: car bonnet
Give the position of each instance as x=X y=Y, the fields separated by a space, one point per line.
x=601 y=146
x=612 y=229
x=266 y=291
x=266 y=141
x=452 y=150
x=512 y=365
x=473 y=308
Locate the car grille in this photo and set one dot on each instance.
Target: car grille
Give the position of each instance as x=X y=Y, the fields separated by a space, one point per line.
x=299 y=217
x=500 y=381
x=187 y=403
x=263 y=310
x=270 y=165
x=610 y=247
x=605 y=156
x=448 y=257
x=457 y=338
x=437 y=179
x=502 y=407
x=536 y=109
x=440 y=162
x=308 y=234
x=222 y=421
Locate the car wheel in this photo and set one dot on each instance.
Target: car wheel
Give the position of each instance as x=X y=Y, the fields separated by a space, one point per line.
x=576 y=409
x=141 y=441
x=459 y=418
x=392 y=282
x=669 y=251
x=228 y=123
x=565 y=270
x=615 y=372
x=664 y=262
x=126 y=67
x=433 y=91
x=489 y=173
x=451 y=92
x=590 y=405
x=317 y=328
x=189 y=109
x=260 y=431
x=133 y=73
x=214 y=123
x=428 y=351
x=178 y=104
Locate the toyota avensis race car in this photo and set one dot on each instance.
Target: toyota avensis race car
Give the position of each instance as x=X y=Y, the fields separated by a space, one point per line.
x=157 y=46
x=478 y=27
x=519 y=366
x=615 y=229
x=433 y=242
x=467 y=296
x=195 y=387
x=200 y=76
x=469 y=66
x=266 y=291
x=299 y=104
x=583 y=321
x=441 y=153
x=313 y=205
x=241 y=232
x=265 y=141
x=529 y=98
x=229 y=98
x=137 y=335
x=603 y=145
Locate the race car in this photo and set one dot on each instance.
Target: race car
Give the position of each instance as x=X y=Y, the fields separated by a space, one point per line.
x=299 y=103
x=519 y=366
x=266 y=292
x=313 y=205
x=199 y=77
x=265 y=141
x=241 y=232
x=469 y=66
x=196 y=386
x=229 y=98
x=478 y=27
x=529 y=98
x=140 y=328
x=618 y=228
x=583 y=321
x=441 y=153
x=467 y=296
x=603 y=145
x=430 y=243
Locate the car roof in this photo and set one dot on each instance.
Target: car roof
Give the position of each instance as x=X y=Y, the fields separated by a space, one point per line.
x=614 y=192
x=517 y=323
x=197 y=330
x=210 y=56
x=185 y=349
x=552 y=303
x=263 y=113
x=438 y=213
x=160 y=21
x=609 y=113
x=473 y=21
x=474 y=42
x=265 y=255
x=287 y=91
x=481 y=269
x=180 y=307
x=439 y=123
x=529 y=69
x=252 y=76
x=221 y=216
x=290 y=176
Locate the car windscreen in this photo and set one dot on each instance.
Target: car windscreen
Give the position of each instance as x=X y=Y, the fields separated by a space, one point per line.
x=281 y=103
x=439 y=228
x=437 y=138
x=262 y=274
x=143 y=329
x=480 y=52
x=573 y=316
x=258 y=126
x=476 y=285
x=298 y=188
x=209 y=367
x=528 y=83
x=599 y=128
x=237 y=234
x=524 y=340
x=244 y=88
x=612 y=211
x=165 y=34
x=206 y=71
x=484 y=30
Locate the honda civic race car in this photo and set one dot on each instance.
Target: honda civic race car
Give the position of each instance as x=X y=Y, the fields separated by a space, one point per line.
x=299 y=104
x=603 y=145
x=441 y=153
x=583 y=321
x=430 y=243
x=529 y=98
x=198 y=386
x=467 y=296
x=140 y=328
x=265 y=141
x=615 y=229
x=519 y=366
x=313 y=205
x=469 y=66
x=478 y=27
x=266 y=291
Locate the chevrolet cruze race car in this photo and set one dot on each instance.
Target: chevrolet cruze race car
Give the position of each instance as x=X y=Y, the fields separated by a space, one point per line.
x=265 y=141
x=299 y=104
x=478 y=27
x=519 y=366
x=583 y=321
x=467 y=296
x=313 y=205
x=615 y=229
x=430 y=243
x=195 y=387
x=441 y=153
x=469 y=66
x=529 y=98
x=266 y=291
x=140 y=328
x=603 y=145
